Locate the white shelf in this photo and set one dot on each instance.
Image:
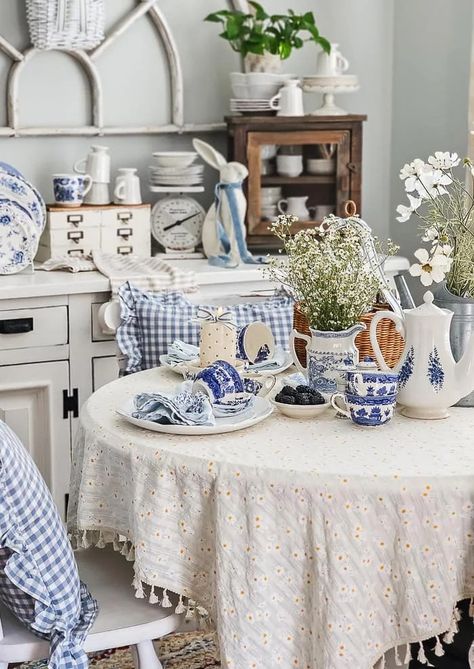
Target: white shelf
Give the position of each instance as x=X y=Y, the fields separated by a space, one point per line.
x=176 y=189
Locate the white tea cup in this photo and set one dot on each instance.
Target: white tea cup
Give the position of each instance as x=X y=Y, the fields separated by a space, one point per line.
x=127 y=187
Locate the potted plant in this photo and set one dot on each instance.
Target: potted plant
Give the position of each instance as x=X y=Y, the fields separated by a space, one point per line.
x=328 y=273
x=264 y=40
x=444 y=207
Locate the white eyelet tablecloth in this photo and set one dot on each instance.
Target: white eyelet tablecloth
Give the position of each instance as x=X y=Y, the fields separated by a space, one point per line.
x=314 y=544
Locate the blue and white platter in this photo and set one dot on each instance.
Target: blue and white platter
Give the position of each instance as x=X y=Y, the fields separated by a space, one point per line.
x=260 y=410
x=17 y=248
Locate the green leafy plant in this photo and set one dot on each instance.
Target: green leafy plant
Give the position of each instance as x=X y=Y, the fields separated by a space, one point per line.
x=259 y=32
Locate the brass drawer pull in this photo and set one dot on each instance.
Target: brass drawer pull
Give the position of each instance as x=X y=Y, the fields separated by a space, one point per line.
x=75 y=219
x=125 y=233
x=124 y=250
x=125 y=216
x=76 y=252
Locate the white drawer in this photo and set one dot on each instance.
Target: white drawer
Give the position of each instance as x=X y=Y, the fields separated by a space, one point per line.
x=28 y=328
x=68 y=242
x=137 y=215
x=126 y=239
x=74 y=219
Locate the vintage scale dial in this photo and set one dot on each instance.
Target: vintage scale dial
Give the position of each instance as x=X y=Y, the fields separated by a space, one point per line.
x=176 y=222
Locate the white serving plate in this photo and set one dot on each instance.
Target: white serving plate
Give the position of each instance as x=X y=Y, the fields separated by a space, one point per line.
x=261 y=410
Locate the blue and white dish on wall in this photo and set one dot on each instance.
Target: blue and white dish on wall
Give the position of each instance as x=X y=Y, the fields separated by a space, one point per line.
x=22 y=220
x=17 y=248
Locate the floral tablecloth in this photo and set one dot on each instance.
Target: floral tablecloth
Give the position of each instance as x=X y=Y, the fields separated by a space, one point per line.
x=313 y=544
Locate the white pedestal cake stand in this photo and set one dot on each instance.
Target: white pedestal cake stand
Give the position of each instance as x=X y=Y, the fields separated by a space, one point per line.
x=329 y=107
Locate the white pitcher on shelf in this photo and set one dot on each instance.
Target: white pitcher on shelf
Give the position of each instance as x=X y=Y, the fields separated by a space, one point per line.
x=331 y=64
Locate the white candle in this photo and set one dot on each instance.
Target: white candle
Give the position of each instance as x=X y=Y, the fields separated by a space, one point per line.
x=218 y=341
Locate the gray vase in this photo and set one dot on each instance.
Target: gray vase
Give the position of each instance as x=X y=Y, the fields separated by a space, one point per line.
x=462 y=326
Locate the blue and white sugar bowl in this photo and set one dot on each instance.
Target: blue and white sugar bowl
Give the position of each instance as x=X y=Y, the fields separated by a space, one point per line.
x=367 y=380
x=220 y=381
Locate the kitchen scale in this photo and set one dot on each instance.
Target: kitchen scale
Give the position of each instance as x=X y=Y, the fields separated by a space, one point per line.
x=177 y=221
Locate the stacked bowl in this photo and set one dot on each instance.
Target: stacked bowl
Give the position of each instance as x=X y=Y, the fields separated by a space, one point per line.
x=175 y=168
x=252 y=91
x=22 y=220
x=269 y=197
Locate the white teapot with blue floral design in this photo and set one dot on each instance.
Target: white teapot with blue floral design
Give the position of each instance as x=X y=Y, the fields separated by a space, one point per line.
x=430 y=380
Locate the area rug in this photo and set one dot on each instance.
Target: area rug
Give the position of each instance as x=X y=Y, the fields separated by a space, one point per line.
x=189 y=650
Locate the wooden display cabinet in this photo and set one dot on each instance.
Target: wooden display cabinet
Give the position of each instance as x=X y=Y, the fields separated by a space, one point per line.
x=313 y=137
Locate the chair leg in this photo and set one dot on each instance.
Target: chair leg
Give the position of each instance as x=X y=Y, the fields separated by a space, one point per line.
x=144 y=656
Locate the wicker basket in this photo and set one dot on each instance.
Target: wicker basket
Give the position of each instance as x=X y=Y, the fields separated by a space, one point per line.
x=65 y=24
x=390 y=341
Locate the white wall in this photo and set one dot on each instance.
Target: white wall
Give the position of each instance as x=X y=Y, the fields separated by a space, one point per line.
x=137 y=88
x=431 y=71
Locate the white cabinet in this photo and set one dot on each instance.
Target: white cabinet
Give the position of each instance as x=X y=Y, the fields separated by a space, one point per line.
x=104 y=370
x=31 y=403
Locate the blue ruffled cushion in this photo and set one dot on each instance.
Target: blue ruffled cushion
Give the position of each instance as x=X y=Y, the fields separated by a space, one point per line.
x=152 y=321
x=39 y=581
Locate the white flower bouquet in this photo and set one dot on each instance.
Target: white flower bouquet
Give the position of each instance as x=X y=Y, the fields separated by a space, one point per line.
x=326 y=270
x=444 y=206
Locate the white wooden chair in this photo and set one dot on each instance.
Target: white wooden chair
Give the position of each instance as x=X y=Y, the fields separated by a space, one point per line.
x=123 y=620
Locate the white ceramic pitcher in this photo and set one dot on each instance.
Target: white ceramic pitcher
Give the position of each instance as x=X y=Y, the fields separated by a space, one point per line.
x=294 y=206
x=96 y=163
x=289 y=99
x=430 y=380
x=331 y=64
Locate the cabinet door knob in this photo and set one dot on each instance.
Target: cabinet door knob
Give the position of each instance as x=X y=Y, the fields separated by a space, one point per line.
x=16 y=326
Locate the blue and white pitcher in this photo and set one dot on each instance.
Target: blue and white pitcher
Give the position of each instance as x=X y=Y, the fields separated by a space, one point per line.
x=325 y=353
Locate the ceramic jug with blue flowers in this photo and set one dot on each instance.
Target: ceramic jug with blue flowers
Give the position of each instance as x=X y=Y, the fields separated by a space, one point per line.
x=430 y=380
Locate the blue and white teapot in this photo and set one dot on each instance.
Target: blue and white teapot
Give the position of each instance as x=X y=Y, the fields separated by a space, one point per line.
x=430 y=380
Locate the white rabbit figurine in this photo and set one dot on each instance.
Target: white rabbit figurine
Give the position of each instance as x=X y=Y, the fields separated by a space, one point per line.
x=223 y=235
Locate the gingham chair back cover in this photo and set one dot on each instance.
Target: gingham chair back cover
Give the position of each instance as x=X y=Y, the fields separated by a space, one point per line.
x=39 y=581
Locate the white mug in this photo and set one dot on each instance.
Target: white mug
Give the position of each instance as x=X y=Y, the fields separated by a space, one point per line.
x=289 y=166
x=331 y=64
x=295 y=206
x=98 y=194
x=289 y=99
x=96 y=163
x=127 y=187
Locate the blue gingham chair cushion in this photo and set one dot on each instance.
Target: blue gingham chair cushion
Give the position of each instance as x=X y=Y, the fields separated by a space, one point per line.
x=39 y=581
x=150 y=322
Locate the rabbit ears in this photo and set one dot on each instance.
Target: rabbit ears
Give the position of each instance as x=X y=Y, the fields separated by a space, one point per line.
x=209 y=154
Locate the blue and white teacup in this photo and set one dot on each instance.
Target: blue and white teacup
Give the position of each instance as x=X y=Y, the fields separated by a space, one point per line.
x=220 y=381
x=369 y=411
x=70 y=189
x=259 y=385
x=255 y=342
x=372 y=383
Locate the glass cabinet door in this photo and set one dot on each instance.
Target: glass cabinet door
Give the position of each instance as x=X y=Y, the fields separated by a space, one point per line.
x=304 y=173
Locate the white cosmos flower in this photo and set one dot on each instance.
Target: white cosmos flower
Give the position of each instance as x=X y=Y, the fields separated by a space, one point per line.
x=429 y=269
x=444 y=160
x=428 y=184
x=406 y=212
x=431 y=235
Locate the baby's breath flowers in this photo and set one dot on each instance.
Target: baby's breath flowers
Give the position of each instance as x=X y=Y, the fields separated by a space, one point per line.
x=445 y=208
x=327 y=271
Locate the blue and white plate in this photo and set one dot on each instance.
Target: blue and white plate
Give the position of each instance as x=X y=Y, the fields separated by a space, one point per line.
x=17 y=245
x=16 y=188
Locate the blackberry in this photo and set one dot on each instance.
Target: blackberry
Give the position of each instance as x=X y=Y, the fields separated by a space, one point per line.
x=317 y=398
x=289 y=390
x=304 y=398
x=285 y=399
x=303 y=390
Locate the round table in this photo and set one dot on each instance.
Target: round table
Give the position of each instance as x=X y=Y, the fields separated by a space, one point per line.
x=312 y=543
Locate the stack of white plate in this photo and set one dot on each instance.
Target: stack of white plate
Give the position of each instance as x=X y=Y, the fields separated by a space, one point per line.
x=22 y=220
x=247 y=106
x=176 y=168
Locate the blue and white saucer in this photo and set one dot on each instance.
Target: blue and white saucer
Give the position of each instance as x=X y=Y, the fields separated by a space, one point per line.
x=17 y=244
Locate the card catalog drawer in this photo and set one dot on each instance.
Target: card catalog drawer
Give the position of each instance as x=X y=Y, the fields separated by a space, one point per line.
x=136 y=215
x=123 y=237
x=73 y=220
x=68 y=242
x=31 y=328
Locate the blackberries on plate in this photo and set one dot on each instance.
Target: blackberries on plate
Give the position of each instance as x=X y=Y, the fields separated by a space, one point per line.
x=302 y=395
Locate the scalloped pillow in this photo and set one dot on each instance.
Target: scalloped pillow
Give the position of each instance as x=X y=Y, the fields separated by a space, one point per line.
x=152 y=321
x=39 y=582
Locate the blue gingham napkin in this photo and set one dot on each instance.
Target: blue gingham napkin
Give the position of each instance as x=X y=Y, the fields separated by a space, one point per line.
x=181 y=408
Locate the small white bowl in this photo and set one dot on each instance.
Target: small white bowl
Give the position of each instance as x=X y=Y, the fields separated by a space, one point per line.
x=300 y=410
x=321 y=165
x=174 y=158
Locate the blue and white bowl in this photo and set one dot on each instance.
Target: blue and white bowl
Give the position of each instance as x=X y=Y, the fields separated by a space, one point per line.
x=233 y=405
x=219 y=381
